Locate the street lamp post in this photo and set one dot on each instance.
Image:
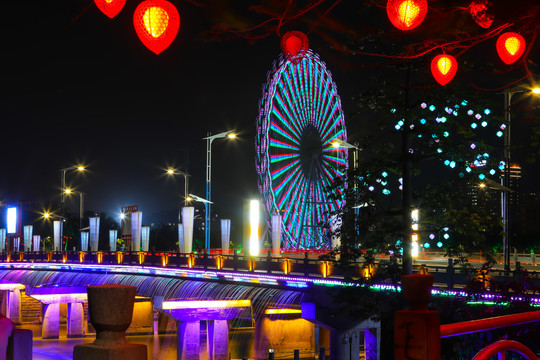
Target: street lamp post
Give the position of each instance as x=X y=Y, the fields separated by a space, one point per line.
x=209 y=139
x=186 y=188
x=505 y=181
x=338 y=143
x=63 y=192
x=81 y=206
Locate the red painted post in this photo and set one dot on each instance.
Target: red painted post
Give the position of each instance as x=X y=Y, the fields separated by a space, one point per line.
x=417 y=330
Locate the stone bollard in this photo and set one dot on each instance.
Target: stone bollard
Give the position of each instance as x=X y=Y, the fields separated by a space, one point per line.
x=110 y=310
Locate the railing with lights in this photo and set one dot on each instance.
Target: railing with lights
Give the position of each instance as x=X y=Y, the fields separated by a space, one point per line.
x=287 y=265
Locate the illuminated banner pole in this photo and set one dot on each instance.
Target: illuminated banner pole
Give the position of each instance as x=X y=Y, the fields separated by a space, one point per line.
x=28 y=232
x=2 y=239
x=188 y=213
x=57 y=233
x=180 y=237
x=145 y=237
x=84 y=240
x=254 y=224
x=225 y=234
x=16 y=243
x=94 y=233
x=136 y=228
x=276 y=234
x=36 y=239
x=113 y=235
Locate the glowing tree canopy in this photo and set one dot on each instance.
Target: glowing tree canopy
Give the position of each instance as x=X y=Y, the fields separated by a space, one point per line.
x=294 y=45
x=157 y=23
x=481 y=12
x=443 y=68
x=510 y=47
x=110 y=7
x=406 y=14
x=300 y=117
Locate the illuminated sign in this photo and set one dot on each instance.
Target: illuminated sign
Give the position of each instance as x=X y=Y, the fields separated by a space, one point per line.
x=11 y=220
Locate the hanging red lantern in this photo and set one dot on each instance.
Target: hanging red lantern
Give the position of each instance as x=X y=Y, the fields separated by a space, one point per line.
x=443 y=68
x=510 y=47
x=481 y=12
x=110 y=7
x=294 y=45
x=406 y=14
x=157 y=23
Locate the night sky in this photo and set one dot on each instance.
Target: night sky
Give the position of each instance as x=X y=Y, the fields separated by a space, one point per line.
x=78 y=87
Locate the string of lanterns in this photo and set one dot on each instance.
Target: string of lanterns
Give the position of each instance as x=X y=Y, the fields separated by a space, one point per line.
x=157 y=22
x=408 y=14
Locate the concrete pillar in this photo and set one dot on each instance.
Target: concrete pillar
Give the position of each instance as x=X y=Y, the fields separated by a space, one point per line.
x=218 y=340
x=189 y=340
x=75 y=320
x=372 y=343
x=51 y=321
x=13 y=305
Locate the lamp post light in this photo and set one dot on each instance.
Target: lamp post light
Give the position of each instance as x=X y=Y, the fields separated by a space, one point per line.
x=186 y=176
x=206 y=209
x=338 y=143
x=209 y=139
x=505 y=181
x=63 y=171
x=63 y=184
x=81 y=206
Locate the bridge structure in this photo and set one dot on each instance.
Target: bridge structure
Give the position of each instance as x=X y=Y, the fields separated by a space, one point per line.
x=274 y=297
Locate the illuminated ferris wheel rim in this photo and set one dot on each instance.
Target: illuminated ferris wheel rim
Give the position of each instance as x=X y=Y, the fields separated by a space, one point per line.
x=321 y=101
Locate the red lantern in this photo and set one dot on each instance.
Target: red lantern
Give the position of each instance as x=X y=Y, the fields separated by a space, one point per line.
x=406 y=14
x=157 y=23
x=443 y=68
x=294 y=45
x=510 y=47
x=110 y=7
x=481 y=12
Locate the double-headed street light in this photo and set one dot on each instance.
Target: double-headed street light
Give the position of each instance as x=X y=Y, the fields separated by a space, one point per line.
x=63 y=171
x=505 y=181
x=209 y=139
x=81 y=204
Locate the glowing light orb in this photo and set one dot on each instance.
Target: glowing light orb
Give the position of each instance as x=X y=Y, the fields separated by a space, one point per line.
x=294 y=45
x=406 y=14
x=510 y=47
x=444 y=68
x=156 y=23
x=110 y=7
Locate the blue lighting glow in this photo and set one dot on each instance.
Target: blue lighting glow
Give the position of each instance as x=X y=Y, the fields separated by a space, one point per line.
x=474 y=125
x=439 y=244
x=481 y=176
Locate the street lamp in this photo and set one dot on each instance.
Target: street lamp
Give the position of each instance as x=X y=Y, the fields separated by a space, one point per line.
x=209 y=139
x=186 y=176
x=63 y=171
x=508 y=94
x=338 y=143
x=81 y=205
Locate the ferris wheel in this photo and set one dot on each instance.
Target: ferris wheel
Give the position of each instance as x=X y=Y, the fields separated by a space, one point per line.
x=300 y=117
